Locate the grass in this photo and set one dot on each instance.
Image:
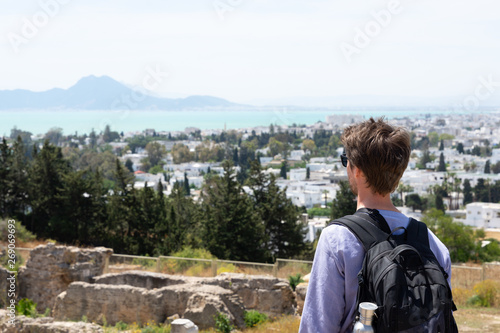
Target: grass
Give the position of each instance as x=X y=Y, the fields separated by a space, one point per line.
x=284 y=324
x=478 y=319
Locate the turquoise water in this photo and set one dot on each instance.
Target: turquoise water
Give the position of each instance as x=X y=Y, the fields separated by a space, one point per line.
x=40 y=121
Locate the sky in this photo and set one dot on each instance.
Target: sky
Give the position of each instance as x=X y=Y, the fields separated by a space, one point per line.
x=256 y=50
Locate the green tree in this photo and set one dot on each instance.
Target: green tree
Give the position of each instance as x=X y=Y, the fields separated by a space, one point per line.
x=46 y=177
x=82 y=208
x=308 y=173
x=109 y=136
x=231 y=227
x=441 y=145
x=496 y=168
x=181 y=154
x=458 y=238
x=16 y=180
x=460 y=148
x=187 y=189
x=476 y=150
x=184 y=226
x=414 y=201
x=120 y=210
x=284 y=233
x=426 y=158
x=468 y=197
x=156 y=151
x=54 y=135
x=402 y=188
x=308 y=145
x=442 y=164
x=235 y=156
x=487 y=167
x=433 y=139
x=439 y=202
x=5 y=167
x=344 y=202
x=129 y=165
x=481 y=191
x=283 y=169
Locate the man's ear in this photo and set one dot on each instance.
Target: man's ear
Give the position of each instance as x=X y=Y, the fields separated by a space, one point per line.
x=358 y=173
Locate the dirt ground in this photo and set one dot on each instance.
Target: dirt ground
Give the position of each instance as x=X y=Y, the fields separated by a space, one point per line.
x=478 y=319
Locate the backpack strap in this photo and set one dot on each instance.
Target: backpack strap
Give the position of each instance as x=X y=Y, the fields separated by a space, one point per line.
x=365 y=226
x=418 y=232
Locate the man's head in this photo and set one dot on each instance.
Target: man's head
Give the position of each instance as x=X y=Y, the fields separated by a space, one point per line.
x=380 y=151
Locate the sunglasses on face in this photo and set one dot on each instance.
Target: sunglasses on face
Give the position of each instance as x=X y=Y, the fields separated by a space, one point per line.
x=344 y=159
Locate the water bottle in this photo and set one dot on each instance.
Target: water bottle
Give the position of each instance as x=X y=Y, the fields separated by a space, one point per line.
x=364 y=324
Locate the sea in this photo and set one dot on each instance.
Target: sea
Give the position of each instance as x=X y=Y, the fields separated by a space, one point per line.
x=84 y=121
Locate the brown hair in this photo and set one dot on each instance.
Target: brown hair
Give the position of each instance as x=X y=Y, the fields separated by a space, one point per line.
x=380 y=150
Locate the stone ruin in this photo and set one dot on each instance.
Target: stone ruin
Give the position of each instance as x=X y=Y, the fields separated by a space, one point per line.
x=50 y=269
x=70 y=282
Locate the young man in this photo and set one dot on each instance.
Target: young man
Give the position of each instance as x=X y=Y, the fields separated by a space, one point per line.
x=376 y=156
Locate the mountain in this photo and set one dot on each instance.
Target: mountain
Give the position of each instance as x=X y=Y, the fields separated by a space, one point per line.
x=102 y=93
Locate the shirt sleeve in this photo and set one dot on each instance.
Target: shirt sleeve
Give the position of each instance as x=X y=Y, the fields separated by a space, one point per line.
x=442 y=254
x=333 y=280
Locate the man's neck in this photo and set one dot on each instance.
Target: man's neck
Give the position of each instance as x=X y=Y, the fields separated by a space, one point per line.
x=366 y=199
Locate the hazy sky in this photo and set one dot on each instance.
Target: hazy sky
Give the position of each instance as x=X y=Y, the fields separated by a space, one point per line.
x=244 y=50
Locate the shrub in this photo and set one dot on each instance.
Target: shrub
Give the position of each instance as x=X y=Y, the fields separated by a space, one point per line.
x=486 y=293
x=26 y=307
x=226 y=268
x=253 y=318
x=22 y=234
x=295 y=280
x=121 y=326
x=4 y=260
x=462 y=295
x=145 y=263
x=222 y=323
x=180 y=266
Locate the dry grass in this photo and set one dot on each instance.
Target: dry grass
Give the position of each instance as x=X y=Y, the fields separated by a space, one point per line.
x=478 y=319
x=284 y=324
x=493 y=234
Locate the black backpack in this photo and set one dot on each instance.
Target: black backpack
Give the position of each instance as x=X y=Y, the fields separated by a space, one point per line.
x=401 y=275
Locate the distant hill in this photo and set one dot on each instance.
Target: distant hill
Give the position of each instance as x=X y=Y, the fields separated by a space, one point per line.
x=102 y=93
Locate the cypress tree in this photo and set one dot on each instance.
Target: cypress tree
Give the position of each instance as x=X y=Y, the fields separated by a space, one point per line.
x=487 y=167
x=46 y=177
x=129 y=165
x=231 y=227
x=187 y=189
x=119 y=210
x=439 y=202
x=442 y=164
x=283 y=170
x=235 y=156
x=467 y=192
x=284 y=233
x=344 y=202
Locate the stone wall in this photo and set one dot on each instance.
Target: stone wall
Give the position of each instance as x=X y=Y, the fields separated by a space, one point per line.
x=114 y=303
x=69 y=281
x=265 y=294
x=24 y=324
x=4 y=287
x=50 y=269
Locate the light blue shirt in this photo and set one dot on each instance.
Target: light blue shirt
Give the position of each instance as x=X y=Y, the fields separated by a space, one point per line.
x=330 y=304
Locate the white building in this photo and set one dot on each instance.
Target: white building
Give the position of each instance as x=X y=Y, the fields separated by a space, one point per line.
x=495 y=156
x=483 y=215
x=298 y=174
x=296 y=155
x=314 y=225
